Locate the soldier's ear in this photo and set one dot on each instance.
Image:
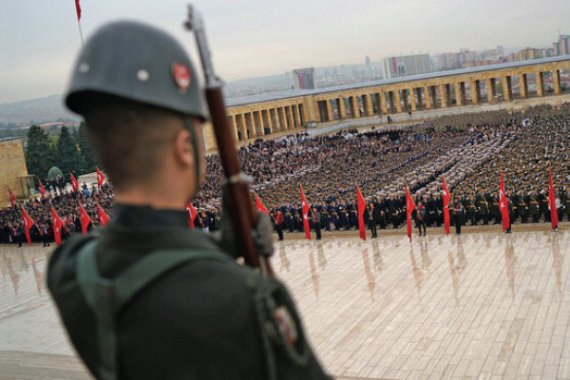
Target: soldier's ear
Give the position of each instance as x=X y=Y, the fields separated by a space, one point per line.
x=183 y=148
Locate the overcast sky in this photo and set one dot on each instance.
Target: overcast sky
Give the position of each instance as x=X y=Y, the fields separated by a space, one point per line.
x=39 y=38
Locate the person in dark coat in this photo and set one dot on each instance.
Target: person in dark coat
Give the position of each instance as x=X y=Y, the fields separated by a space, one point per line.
x=458 y=214
x=369 y=219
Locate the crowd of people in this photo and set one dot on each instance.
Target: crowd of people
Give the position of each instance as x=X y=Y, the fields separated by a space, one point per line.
x=468 y=150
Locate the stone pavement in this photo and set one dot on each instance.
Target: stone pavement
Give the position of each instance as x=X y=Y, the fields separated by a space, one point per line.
x=483 y=305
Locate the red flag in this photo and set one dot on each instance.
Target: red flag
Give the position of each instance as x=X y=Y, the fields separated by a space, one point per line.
x=193 y=213
x=78 y=10
x=361 y=208
x=305 y=211
x=100 y=178
x=42 y=188
x=103 y=217
x=84 y=218
x=28 y=224
x=410 y=206
x=504 y=204
x=57 y=225
x=74 y=183
x=12 y=198
x=259 y=205
x=446 y=200
x=552 y=202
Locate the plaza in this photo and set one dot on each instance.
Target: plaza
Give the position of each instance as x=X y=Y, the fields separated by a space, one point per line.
x=480 y=305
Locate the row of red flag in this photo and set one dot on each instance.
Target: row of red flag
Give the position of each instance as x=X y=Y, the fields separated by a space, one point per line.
x=410 y=207
x=57 y=223
x=305 y=209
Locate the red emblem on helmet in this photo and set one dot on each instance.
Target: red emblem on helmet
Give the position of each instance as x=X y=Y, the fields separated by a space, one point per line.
x=181 y=75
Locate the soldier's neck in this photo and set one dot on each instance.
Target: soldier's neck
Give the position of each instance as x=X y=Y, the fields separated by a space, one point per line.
x=171 y=199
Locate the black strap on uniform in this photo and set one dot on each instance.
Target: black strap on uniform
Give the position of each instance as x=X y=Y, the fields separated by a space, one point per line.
x=265 y=290
x=108 y=297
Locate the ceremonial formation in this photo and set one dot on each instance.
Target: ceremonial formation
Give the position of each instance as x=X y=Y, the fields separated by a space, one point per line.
x=469 y=151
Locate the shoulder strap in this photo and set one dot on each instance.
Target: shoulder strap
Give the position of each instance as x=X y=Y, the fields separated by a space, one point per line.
x=108 y=297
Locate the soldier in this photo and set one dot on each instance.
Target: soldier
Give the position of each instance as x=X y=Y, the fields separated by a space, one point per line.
x=471 y=210
x=482 y=208
x=533 y=206
x=369 y=219
x=522 y=208
x=279 y=220
x=145 y=297
x=316 y=221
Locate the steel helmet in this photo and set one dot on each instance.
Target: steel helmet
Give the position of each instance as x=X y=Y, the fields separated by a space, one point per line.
x=137 y=62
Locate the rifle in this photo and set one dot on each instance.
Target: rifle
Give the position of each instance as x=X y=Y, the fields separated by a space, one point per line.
x=243 y=216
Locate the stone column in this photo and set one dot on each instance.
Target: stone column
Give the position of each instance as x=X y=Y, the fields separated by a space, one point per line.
x=250 y=126
x=258 y=123
x=289 y=116
x=391 y=101
x=443 y=96
x=458 y=95
x=413 y=99
x=539 y=84
x=433 y=96
x=368 y=107
x=341 y=108
x=233 y=126
x=329 y=110
x=274 y=121
x=523 y=86
x=298 y=123
x=507 y=88
x=418 y=93
x=489 y=91
x=405 y=100
x=473 y=90
x=447 y=88
x=354 y=107
x=240 y=124
x=556 y=81
x=283 y=118
x=398 y=101
x=382 y=103
x=425 y=90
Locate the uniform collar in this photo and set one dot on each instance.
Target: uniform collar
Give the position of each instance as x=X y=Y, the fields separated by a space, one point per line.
x=145 y=216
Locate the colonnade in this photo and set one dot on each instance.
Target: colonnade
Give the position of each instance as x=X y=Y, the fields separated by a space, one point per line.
x=265 y=121
x=448 y=89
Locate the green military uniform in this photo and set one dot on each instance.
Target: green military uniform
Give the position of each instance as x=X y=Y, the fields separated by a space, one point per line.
x=147 y=298
x=206 y=318
x=522 y=209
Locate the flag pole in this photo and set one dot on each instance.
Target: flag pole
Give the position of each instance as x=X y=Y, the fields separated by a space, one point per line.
x=80 y=32
x=78 y=12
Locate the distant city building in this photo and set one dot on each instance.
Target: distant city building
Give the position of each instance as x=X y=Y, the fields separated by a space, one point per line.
x=495 y=55
x=304 y=78
x=530 y=53
x=466 y=58
x=562 y=47
x=395 y=67
x=447 y=61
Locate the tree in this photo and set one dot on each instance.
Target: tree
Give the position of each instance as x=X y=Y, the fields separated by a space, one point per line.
x=40 y=155
x=87 y=155
x=68 y=158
